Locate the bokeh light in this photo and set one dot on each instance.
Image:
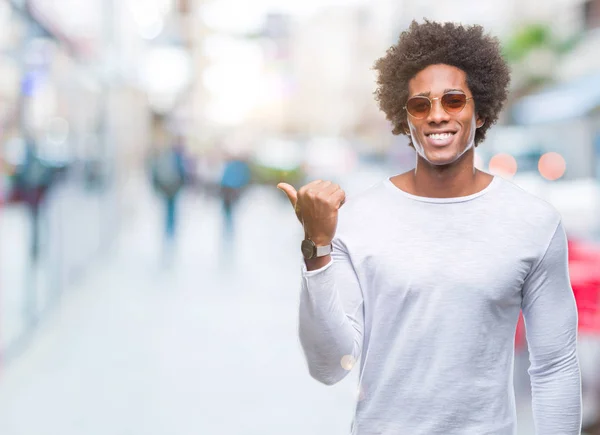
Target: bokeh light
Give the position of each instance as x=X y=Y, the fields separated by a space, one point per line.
x=552 y=166
x=503 y=165
x=347 y=362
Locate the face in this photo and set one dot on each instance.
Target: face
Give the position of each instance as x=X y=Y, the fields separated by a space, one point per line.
x=442 y=138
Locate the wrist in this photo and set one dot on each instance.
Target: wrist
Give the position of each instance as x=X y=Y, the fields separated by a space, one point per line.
x=319 y=240
x=311 y=250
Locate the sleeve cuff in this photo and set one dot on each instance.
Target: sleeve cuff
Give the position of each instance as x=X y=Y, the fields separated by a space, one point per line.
x=308 y=273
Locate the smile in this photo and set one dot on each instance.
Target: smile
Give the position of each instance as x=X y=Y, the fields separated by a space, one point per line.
x=440 y=136
x=440 y=139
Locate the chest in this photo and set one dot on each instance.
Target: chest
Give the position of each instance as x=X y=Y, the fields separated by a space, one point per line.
x=463 y=262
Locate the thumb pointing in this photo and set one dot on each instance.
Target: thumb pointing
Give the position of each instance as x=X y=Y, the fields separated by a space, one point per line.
x=290 y=192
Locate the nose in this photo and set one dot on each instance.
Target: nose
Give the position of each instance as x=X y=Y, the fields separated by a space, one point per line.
x=437 y=114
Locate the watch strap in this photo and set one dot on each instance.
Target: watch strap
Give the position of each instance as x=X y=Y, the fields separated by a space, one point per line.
x=322 y=251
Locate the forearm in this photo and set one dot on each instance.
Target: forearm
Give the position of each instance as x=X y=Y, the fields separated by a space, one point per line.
x=330 y=336
x=556 y=394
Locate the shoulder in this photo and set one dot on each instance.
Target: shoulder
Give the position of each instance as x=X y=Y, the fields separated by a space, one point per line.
x=525 y=200
x=532 y=212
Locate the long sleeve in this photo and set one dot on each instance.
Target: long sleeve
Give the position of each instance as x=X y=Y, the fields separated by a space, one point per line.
x=331 y=317
x=550 y=316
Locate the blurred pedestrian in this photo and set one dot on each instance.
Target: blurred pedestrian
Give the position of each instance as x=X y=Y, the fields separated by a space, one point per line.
x=425 y=274
x=168 y=177
x=235 y=178
x=32 y=179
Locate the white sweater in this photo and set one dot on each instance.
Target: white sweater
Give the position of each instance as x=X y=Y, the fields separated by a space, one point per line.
x=426 y=293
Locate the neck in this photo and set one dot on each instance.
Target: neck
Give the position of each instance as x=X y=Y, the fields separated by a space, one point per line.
x=448 y=181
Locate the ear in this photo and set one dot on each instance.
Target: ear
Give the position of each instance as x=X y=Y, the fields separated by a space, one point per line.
x=479 y=122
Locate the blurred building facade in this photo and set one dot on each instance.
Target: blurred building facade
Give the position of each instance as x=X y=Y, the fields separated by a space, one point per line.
x=72 y=99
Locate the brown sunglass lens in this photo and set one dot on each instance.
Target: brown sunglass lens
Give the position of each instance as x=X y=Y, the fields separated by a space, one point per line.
x=418 y=106
x=454 y=102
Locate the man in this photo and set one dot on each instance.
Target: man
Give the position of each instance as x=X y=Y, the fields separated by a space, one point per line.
x=425 y=273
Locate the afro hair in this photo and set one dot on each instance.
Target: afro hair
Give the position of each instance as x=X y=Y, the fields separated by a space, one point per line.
x=430 y=43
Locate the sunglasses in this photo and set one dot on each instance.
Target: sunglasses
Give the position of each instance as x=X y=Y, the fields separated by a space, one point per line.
x=452 y=103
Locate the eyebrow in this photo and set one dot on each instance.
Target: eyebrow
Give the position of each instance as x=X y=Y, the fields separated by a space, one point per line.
x=428 y=93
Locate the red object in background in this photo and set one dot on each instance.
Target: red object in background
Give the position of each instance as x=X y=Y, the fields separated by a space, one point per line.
x=520 y=341
x=584 y=270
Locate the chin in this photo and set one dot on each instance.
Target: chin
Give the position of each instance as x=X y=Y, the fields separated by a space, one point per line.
x=442 y=158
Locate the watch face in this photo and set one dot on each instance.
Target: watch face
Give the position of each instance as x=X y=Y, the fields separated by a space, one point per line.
x=308 y=249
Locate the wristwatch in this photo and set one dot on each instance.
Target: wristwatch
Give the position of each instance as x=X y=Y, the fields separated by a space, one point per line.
x=310 y=250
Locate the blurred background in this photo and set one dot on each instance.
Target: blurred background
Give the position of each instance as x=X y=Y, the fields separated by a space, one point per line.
x=149 y=269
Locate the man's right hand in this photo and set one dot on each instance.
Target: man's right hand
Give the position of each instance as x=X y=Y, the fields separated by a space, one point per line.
x=316 y=205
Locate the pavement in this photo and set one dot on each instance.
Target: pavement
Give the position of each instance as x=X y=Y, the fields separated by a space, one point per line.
x=197 y=339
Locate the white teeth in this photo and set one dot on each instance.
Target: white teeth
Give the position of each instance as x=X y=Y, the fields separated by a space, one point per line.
x=440 y=136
